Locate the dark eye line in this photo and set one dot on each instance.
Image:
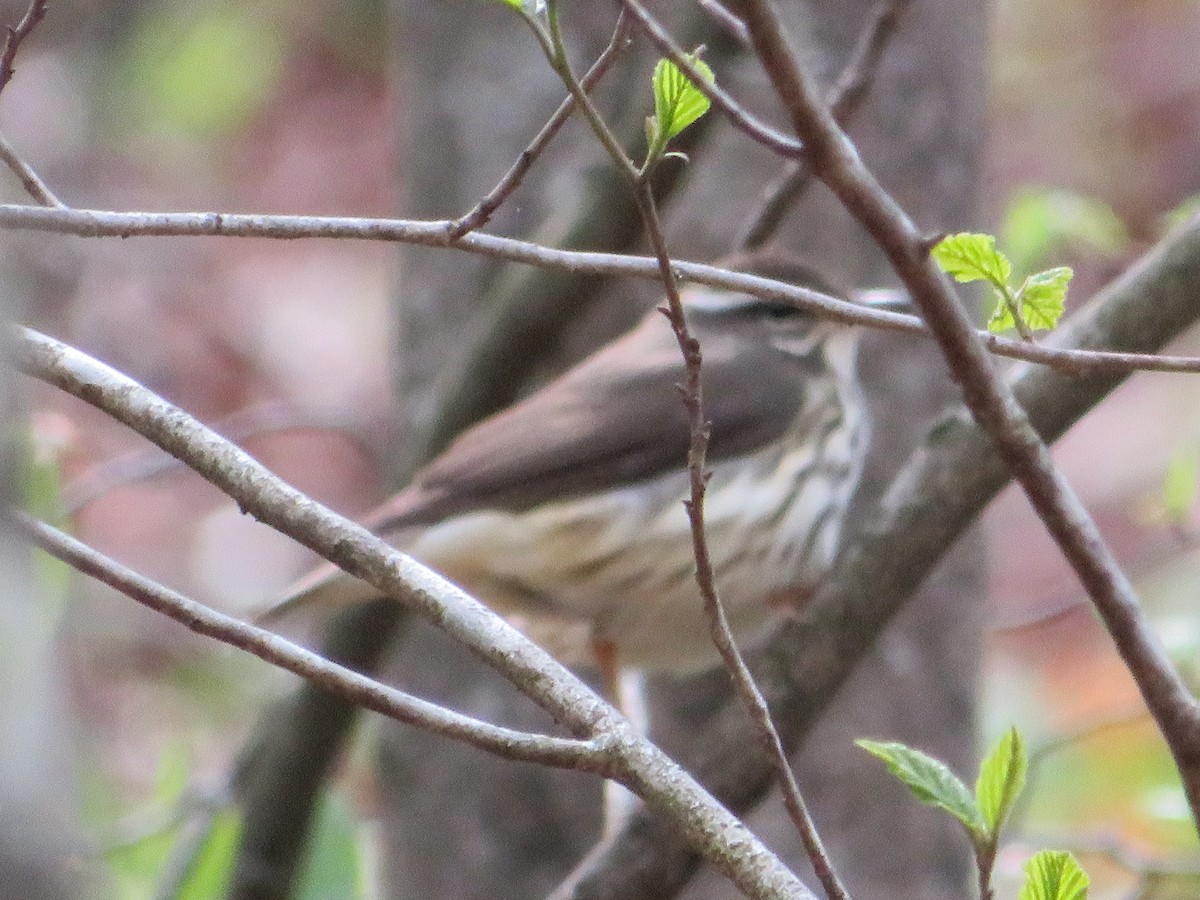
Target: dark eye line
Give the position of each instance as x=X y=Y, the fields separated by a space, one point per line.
x=783 y=311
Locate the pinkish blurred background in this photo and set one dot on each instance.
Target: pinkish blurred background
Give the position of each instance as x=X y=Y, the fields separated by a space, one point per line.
x=288 y=108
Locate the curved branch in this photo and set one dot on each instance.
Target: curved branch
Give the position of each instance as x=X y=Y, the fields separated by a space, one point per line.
x=992 y=404
x=564 y=753
x=932 y=502
x=634 y=761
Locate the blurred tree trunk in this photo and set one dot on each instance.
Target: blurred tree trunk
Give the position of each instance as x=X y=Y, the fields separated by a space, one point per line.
x=39 y=828
x=460 y=823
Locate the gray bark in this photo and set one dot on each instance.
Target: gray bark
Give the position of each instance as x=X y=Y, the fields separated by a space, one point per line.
x=461 y=824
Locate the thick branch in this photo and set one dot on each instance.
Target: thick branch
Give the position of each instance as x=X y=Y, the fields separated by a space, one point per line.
x=639 y=765
x=836 y=162
x=932 y=502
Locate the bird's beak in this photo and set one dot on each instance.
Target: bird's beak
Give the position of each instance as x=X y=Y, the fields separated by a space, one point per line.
x=886 y=299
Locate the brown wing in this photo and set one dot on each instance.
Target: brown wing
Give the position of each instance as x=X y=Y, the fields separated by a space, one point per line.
x=602 y=425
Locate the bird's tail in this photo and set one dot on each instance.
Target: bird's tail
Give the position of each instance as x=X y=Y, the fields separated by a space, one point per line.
x=327 y=588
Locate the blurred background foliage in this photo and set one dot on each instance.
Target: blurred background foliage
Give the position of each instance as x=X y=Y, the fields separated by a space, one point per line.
x=274 y=106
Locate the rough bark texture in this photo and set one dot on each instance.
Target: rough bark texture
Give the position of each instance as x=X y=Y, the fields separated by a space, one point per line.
x=461 y=824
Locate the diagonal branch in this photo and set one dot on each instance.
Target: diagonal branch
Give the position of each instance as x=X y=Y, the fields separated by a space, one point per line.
x=844 y=99
x=587 y=756
x=719 y=836
x=15 y=36
x=486 y=208
x=835 y=161
x=30 y=180
x=742 y=119
x=932 y=502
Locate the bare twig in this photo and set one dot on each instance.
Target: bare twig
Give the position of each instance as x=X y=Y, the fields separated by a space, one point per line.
x=722 y=635
x=741 y=118
x=730 y=23
x=836 y=163
x=556 y=55
x=15 y=36
x=692 y=396
x=719 y=836
x=586 y=756
x=844 y=99
x=33 y=184
x=938 y=494
x=483 y=211
x=104 y=223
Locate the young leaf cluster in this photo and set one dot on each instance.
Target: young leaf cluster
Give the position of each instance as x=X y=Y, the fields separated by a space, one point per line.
x=1035 y=305
x=983 y=812
x=677 y=103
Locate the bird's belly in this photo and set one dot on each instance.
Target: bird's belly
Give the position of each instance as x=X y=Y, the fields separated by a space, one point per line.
x=621 y=564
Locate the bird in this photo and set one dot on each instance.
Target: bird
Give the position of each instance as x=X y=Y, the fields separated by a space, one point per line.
x=566 y=513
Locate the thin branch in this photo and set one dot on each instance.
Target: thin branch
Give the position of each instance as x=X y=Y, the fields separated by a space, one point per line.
x=844 y=98
x=556 y=55
x=486 y=208
x=940 y=491
x=741 y=118
x=528 y=310
x=715 y=833
x=562 y=753
x=730 y=23
x=104 y=223
x=854 y=83
x=16 y=36
x=692 y=396
x=33 y=184
x=722 y=636
x=991 y=402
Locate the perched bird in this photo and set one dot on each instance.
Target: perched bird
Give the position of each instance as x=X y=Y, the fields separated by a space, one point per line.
x=565 y=511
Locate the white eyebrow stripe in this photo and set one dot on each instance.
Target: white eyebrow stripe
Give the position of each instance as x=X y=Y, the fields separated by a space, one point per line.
x=717 y=301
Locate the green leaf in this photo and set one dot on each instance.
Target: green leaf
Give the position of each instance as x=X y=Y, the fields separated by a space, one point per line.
x=207 y=873
x=1185 y=211
x=677 y=102
x=930 y=781
x=1001 y=319
x=973 y=257
x=532 y=8
x=1179 y=486
x=199 y=70
x=335 y=865
x=1042 y=296
x=1001 y=778
x=1040 y=222
x=1054 y=875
